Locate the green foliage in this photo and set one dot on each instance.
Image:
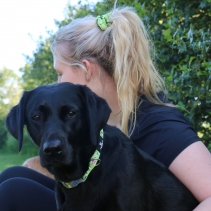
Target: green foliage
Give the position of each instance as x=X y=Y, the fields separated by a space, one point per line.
x=11 y=159
x=3 y=133
x=181 y=34
x=39 y=68
x=10 y=91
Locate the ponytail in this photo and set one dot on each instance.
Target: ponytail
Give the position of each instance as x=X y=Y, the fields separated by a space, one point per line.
x=134 y=71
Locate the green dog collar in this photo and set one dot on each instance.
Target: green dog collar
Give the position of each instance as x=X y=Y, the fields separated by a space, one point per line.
x=94 y=161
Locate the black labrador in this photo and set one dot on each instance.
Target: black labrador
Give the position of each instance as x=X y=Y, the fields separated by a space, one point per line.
x=97 y=168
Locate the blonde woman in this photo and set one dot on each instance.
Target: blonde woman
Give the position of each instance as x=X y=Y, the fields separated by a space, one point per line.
x=111 y=55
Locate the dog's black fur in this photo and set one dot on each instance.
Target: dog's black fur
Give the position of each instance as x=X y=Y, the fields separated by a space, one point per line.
x=65 y=120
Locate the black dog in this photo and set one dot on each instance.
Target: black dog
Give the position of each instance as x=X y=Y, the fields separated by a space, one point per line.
x=96 y=166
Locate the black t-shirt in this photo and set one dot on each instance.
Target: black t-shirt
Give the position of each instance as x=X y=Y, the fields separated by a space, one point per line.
x=162 y=131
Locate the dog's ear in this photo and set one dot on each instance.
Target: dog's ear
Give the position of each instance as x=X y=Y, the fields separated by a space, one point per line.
x=97 y=111
x=16 y=119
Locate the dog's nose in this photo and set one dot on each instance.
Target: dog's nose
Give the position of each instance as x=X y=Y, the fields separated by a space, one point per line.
x=52 y=147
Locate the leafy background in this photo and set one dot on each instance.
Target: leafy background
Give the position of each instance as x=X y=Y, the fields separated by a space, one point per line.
x=181 y=33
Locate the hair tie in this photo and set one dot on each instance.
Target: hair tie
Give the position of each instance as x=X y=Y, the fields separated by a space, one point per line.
x=103 y=21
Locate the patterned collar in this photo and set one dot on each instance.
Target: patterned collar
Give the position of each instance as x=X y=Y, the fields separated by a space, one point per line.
x=94 y=161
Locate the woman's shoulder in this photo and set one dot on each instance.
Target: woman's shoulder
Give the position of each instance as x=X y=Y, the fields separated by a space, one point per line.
x=147 y=107
x=162 y=131
x=151 y=113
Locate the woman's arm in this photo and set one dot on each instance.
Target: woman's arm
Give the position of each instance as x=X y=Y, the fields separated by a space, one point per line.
x=193 y=168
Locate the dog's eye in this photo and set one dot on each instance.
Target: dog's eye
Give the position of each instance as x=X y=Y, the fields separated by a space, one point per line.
x=70 y=113
x=36 y=117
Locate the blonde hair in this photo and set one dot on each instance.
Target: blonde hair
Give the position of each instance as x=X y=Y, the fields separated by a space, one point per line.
x=122 y=50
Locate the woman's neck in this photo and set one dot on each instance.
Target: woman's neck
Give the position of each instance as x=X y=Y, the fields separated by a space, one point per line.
x=110 y=95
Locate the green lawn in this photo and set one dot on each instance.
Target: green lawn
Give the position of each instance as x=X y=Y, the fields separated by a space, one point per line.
x=7 y=160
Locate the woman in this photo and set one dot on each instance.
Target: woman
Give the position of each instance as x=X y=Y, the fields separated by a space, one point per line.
x=111 y=55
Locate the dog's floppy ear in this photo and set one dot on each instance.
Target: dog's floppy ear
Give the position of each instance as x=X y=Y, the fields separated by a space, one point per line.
x=16 y=119
x=97 y=111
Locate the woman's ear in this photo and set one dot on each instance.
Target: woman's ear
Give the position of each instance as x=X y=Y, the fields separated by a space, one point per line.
x=89 y=67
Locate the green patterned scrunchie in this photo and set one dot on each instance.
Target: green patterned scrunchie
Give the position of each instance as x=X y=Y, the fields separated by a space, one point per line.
x=103 y=21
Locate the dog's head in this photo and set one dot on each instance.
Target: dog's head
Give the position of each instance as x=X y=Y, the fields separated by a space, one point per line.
x=63 y=119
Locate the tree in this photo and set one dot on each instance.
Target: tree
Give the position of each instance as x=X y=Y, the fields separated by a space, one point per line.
x=39 y=69
x=10 y=91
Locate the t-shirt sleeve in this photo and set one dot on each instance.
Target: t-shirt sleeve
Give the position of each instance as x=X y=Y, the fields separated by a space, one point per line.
x=163 y=135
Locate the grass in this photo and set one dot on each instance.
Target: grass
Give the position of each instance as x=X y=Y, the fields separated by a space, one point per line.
x=8 y=160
